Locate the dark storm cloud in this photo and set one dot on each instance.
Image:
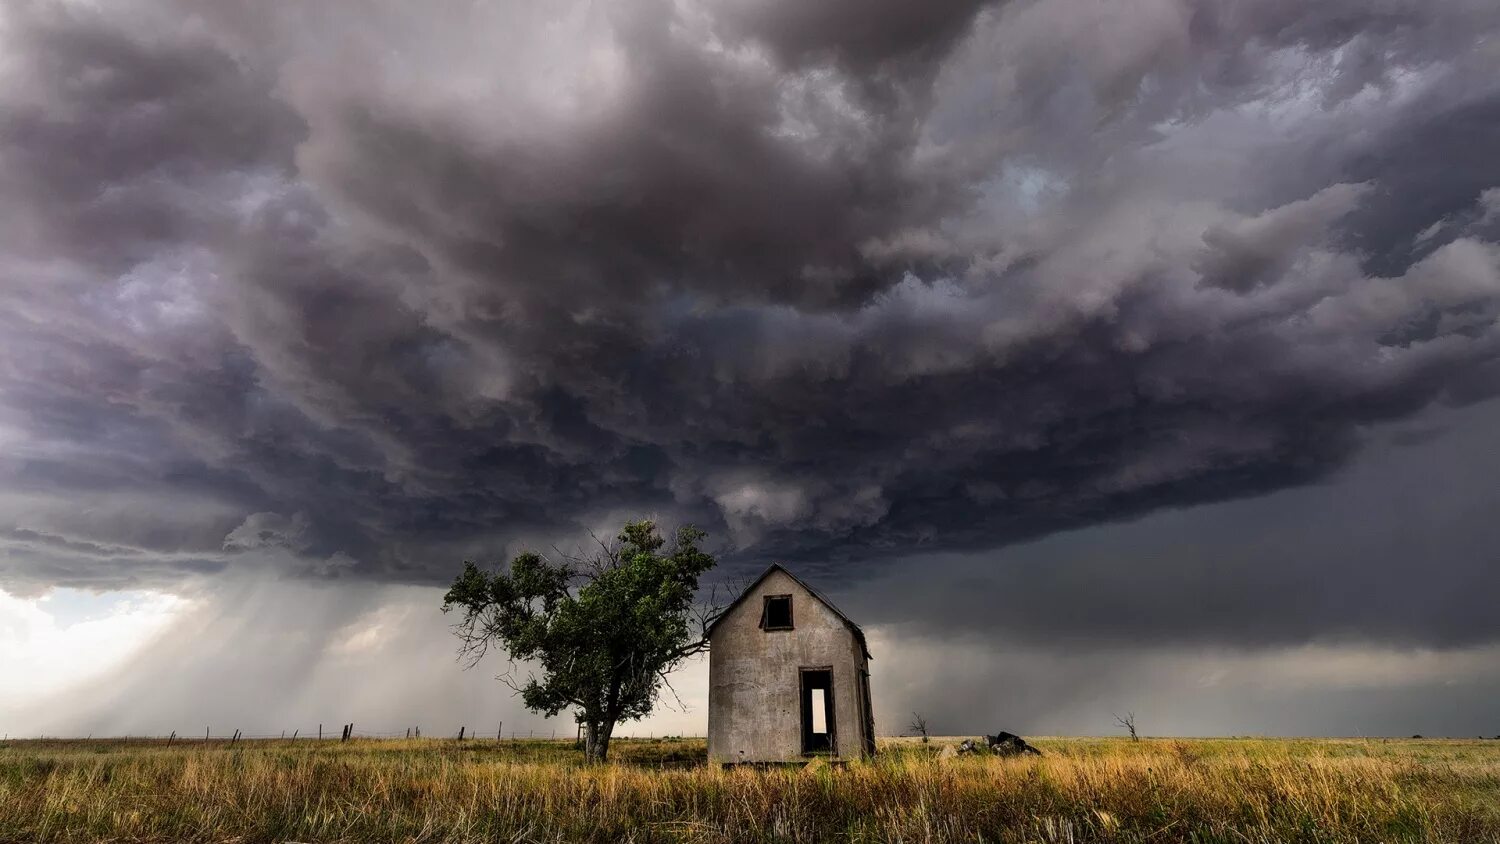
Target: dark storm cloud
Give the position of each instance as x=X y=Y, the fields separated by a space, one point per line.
x=862 y=36
x=363 y=292
x=1397 y=549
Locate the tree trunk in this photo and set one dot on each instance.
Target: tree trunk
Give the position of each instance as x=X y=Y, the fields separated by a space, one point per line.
x=597 y=749
x=596 y=740
x=591 y=742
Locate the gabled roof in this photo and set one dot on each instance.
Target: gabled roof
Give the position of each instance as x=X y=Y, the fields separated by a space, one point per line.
x=775 y=567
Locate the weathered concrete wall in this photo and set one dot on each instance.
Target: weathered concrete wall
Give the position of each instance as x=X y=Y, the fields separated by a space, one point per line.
x=754 y=703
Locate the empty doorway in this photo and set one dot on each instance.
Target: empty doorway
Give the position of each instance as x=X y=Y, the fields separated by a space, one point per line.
x=817 y=711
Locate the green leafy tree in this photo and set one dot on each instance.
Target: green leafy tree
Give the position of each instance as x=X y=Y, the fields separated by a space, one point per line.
x=603 y=632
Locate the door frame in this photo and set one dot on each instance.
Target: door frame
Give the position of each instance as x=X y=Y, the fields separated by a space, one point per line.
x=868 y=712
x=804 y=710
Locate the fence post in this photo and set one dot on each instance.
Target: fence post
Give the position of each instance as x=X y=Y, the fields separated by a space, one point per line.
x=498 y=730
x=460 y=733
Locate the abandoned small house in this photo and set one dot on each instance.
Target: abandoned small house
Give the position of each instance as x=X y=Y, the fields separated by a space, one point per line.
x=788 y=677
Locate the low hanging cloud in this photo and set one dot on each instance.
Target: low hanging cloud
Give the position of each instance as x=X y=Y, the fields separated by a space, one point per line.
x=358 y=293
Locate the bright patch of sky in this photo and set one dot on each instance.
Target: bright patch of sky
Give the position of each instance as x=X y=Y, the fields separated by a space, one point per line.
x=66 y=637
x=1024 y=186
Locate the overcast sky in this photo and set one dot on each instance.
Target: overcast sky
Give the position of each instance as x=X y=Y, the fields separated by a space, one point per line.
x=1094 y=356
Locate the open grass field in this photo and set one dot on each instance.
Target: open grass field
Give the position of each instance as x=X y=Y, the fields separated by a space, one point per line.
x=1082 y=790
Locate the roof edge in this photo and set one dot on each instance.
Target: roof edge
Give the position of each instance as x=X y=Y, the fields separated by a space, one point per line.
x=774 y=567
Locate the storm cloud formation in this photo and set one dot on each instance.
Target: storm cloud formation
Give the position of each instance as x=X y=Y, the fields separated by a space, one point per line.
x=347 y=291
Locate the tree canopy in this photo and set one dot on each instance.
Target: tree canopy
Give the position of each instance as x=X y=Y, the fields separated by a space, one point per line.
x=603 y=632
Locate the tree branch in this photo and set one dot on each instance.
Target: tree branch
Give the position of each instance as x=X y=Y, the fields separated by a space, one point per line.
x=681 y=707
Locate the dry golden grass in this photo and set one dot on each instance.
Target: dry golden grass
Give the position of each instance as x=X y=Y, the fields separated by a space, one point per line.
x=441 y=790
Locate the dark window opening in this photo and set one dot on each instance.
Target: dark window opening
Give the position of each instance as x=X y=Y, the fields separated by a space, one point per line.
x=777 y=614
x=817 y=711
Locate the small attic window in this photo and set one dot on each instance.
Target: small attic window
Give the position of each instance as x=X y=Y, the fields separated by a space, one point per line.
x=777 y=614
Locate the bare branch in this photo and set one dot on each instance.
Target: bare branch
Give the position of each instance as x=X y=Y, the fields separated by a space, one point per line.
x=681 y=707
x=918 y=726
x=472 y=646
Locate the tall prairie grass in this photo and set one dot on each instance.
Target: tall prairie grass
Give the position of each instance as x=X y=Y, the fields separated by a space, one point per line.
x=1082 y=790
